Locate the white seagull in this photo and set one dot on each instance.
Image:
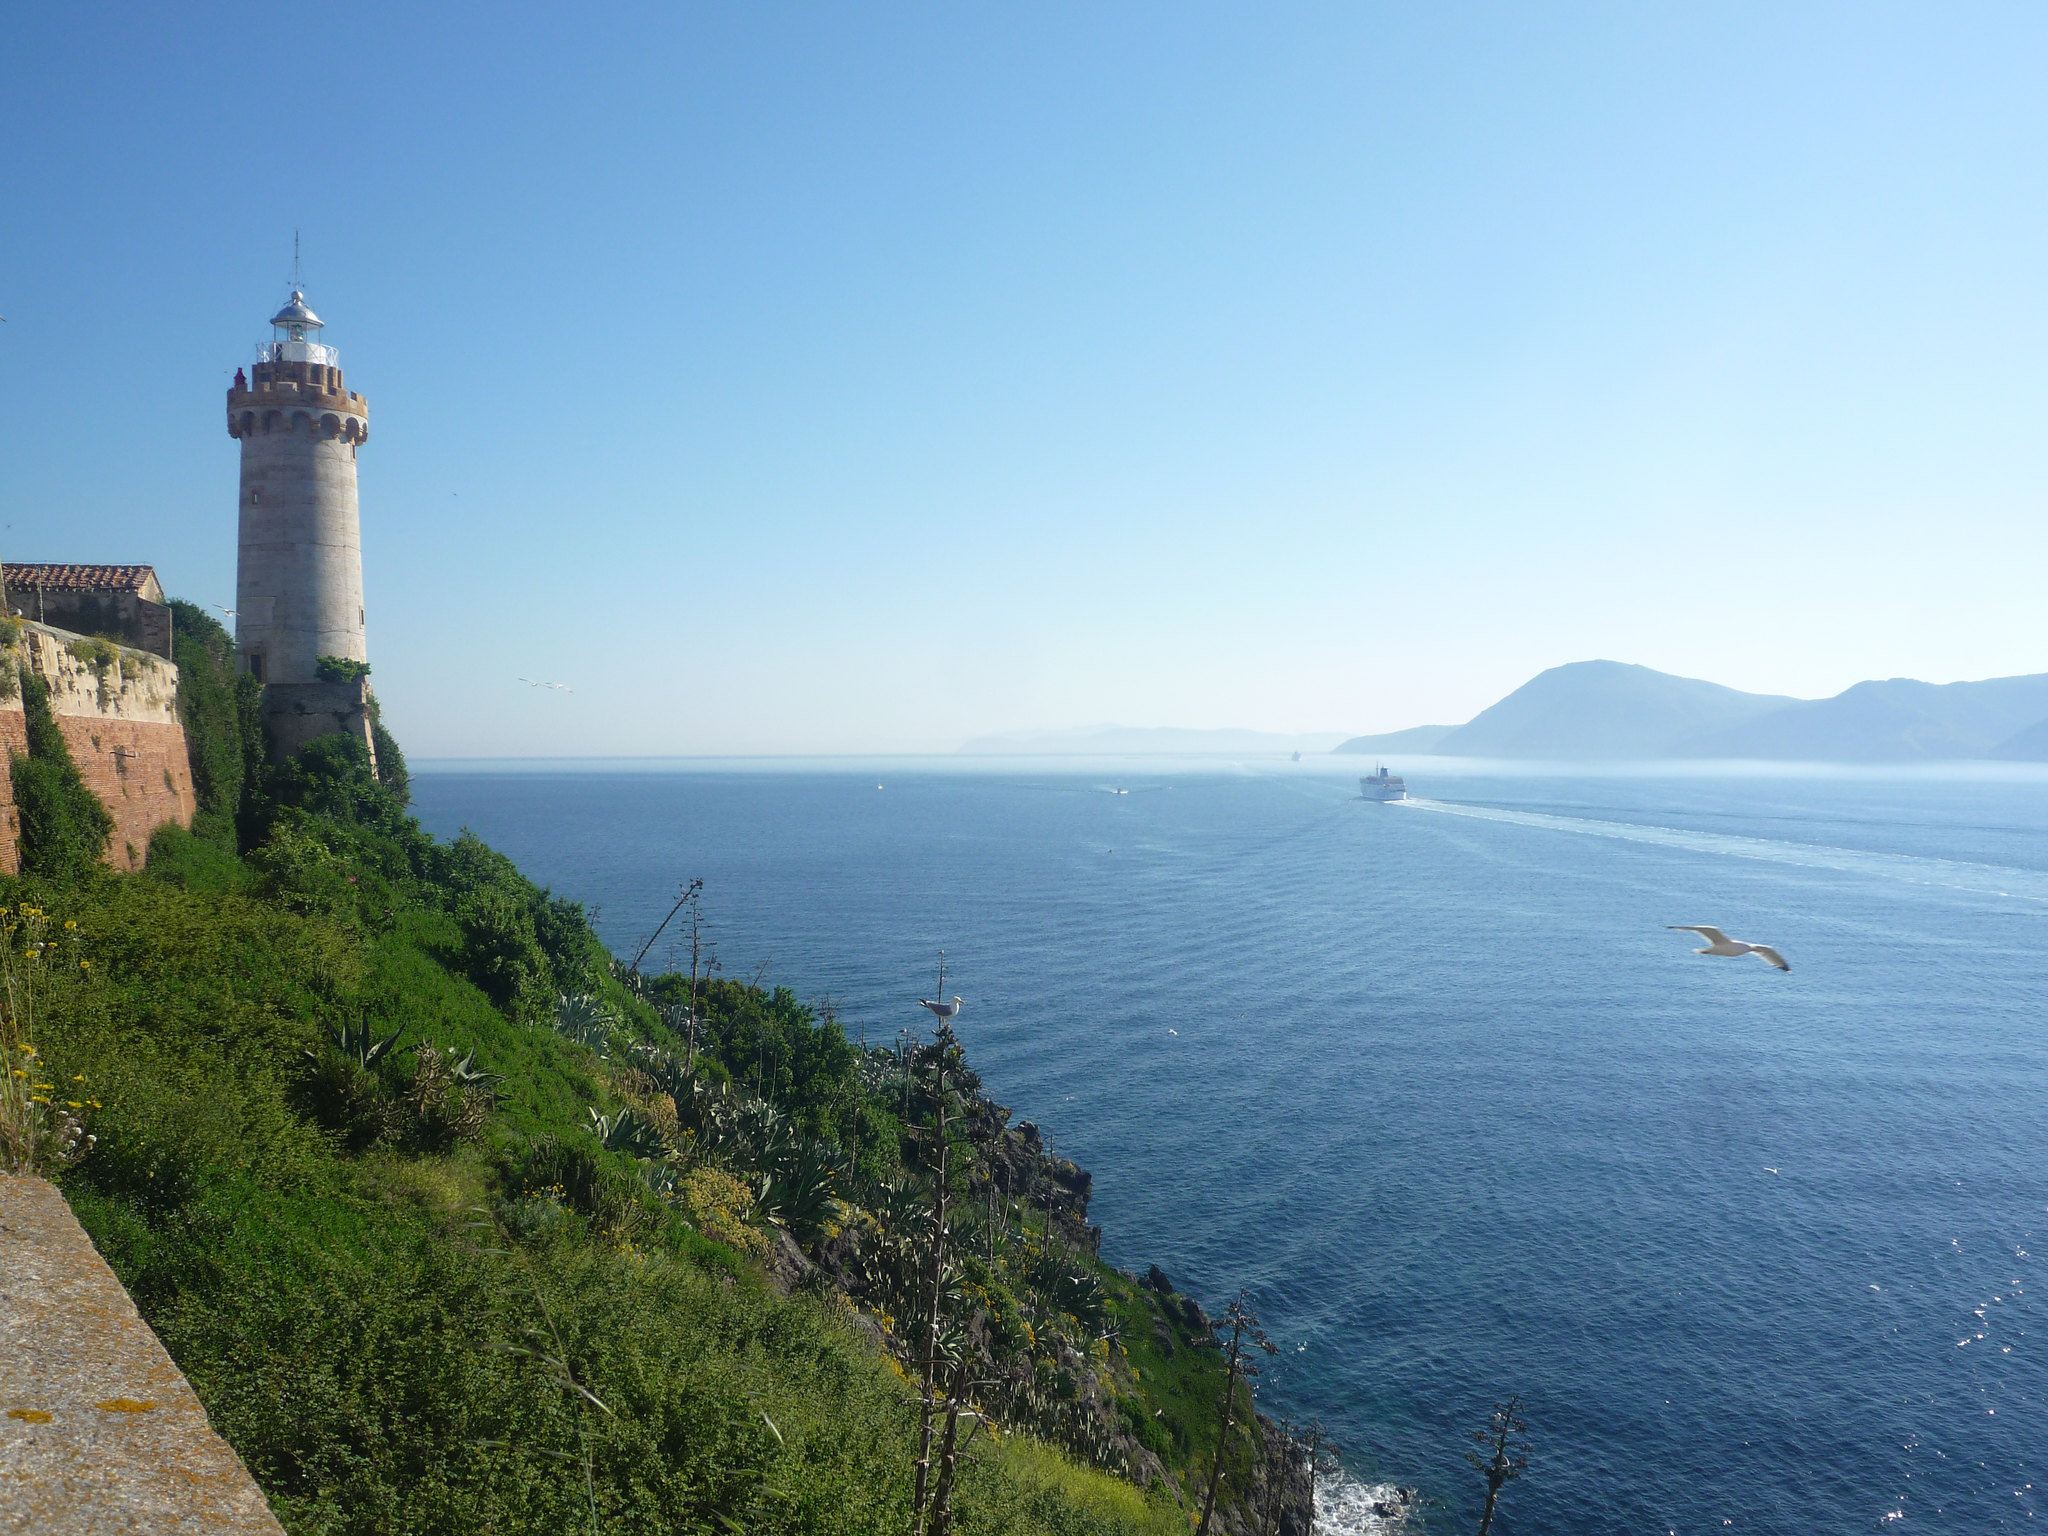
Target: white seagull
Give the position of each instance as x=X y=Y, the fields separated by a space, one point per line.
x=1718 y=943
x=532 y=683
x=949 y=1010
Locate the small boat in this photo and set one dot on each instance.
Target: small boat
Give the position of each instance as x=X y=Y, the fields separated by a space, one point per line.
x=1383 y=786
x=1297 y=757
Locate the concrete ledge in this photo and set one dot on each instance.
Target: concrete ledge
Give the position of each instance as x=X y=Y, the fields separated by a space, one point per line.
x=99 y=1431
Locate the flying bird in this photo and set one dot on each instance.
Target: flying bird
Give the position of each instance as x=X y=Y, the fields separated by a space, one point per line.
x=226 y=610
x=532 y=683
x=1718 y=943
x=948 y=1010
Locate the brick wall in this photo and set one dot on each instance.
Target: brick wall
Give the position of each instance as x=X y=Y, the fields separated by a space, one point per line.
x=121 y=724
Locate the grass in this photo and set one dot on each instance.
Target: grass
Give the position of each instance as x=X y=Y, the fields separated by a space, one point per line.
x=1036 y=1488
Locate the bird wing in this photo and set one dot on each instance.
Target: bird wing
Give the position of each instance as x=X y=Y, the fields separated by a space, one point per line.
x=1711 y=935
x=1765 y=952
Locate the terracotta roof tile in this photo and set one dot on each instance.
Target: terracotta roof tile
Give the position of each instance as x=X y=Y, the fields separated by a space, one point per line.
x=83 y=578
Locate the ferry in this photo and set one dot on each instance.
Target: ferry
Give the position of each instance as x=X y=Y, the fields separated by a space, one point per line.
x=1383 y=786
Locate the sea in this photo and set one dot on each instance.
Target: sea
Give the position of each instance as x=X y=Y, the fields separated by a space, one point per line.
x=1436 y=1085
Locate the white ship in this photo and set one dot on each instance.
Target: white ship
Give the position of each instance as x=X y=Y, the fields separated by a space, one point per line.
x=1383 y=786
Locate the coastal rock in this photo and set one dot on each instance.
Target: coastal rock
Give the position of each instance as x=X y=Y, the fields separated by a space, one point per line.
x=1162 y=1335
x=788 y=1267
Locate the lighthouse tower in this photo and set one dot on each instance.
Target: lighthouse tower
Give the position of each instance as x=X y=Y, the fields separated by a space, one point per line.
x=299 y=581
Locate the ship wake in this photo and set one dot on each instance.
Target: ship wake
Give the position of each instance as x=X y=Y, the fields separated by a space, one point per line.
x=1952 y=874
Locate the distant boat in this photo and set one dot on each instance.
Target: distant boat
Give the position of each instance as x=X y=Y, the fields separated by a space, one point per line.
x=1297 y=757
x=1383 y=786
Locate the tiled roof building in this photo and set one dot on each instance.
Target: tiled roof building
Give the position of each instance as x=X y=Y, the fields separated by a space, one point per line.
x=124 y=602
x=139 y=579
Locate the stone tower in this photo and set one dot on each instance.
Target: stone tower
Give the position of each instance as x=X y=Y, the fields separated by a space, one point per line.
x=299 y=579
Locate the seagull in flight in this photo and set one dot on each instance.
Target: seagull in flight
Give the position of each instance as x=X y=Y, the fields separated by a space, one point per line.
x=942 y=1010
x=1718 y=943
x=531 y=683
x=225 y=609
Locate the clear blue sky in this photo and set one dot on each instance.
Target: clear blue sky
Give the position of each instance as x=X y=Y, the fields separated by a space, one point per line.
x=865 y=378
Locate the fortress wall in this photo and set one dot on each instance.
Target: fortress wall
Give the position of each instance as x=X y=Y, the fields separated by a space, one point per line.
x=121 y=723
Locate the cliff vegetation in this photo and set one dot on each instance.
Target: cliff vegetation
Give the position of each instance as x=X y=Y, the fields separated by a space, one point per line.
x=457 y=1224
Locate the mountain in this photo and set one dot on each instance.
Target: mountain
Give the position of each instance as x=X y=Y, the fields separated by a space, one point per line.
x=1417 y=738
x=1606 y=709
x=2029 y=746
x=1161 y=741
x=1895 y=721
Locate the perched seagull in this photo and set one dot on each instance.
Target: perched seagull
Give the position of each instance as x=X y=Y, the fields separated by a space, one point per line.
x=531 y=683
x=1718 y=943
x=941 y=1010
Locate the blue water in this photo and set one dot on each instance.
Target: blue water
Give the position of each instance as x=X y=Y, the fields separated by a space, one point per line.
x=1434 y=1081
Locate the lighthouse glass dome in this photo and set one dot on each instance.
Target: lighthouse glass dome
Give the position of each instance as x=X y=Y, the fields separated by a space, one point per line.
x=295 y=330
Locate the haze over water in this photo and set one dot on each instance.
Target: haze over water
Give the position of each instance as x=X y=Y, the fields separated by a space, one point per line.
x=1434 y=1081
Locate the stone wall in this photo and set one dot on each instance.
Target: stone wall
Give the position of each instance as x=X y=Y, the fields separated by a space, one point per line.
x=297 y=713
x=120 y=720
x=127 y=615
x=101 y=1431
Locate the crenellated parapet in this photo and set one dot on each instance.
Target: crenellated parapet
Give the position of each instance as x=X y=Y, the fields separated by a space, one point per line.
x=298 y=397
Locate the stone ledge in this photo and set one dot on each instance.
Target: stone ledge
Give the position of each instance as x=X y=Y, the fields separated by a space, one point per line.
x=99 y=1431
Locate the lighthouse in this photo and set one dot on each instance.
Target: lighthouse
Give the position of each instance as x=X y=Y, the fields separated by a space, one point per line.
x=299 y=614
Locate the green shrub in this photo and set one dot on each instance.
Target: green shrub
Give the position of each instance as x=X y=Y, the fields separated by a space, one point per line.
x=391 y=769
x=64 y=828
x=340 y=669
x=215 y=715
x=194 y=862
x=101 y=655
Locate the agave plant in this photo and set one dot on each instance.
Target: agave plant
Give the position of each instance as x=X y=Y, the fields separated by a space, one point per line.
x=466 y=1075
x=802 y=1191
x=358 y=1043
x=665 y=1179
x=666 y=1073
x=628 y=1131
x=764 y=1135
x=587 y=1020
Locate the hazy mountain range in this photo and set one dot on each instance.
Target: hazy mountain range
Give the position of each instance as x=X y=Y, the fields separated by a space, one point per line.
x=1610 y=709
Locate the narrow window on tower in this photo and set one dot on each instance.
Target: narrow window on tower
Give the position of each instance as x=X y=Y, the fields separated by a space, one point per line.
x=256 y=665
x=256 y=497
